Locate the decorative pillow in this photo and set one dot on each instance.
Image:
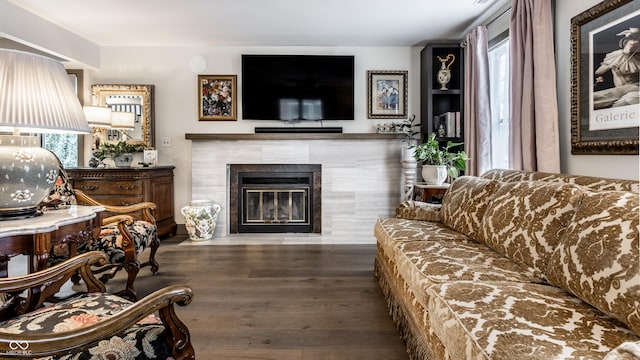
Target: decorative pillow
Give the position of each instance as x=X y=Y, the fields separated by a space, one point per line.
x=598 y=257
x=62 y=193
x=464 y=204
x=525 y=220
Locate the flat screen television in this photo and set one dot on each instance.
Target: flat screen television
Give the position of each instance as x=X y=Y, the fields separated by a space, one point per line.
x=297 y=87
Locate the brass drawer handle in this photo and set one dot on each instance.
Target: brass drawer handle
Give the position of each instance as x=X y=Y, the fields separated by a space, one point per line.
x=88 y=187
x=128 y=187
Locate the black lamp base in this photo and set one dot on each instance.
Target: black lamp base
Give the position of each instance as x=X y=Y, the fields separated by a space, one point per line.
x=18 y=214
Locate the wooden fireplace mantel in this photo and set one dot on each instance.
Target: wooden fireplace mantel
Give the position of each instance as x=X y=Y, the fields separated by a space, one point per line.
x=292 y=136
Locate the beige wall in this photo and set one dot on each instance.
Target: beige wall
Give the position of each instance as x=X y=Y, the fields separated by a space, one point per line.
x=616 y=166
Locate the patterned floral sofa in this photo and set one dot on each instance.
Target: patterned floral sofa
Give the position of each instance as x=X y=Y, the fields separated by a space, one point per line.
x=516 y=265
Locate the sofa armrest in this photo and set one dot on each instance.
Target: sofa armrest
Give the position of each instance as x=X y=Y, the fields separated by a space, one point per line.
x=417 y=210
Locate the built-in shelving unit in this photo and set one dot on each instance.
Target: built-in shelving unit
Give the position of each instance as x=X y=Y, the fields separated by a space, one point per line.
x=434 y=101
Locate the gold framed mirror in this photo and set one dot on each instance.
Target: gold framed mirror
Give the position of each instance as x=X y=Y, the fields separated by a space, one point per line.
x=136 y=99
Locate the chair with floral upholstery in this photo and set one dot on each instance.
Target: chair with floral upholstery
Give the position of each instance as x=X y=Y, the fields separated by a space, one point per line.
x=122 y=249
x=92 y=324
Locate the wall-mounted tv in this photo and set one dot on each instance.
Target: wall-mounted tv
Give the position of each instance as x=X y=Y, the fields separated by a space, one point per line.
x=297 y=87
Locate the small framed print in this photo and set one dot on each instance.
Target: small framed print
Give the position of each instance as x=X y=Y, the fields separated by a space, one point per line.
x=217 y=94
x=150 y=157
x=387 y=94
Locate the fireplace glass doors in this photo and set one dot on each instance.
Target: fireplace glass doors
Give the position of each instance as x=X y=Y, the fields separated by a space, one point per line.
x=275 y=198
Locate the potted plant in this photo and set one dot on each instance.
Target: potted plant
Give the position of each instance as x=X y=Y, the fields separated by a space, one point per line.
x=410 y=132
x=438 y=162
x=121 y=153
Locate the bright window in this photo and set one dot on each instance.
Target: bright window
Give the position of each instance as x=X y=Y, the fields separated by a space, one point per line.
x=499 y=92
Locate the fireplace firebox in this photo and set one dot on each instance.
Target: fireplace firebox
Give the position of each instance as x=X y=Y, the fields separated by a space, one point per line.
x=275 y=198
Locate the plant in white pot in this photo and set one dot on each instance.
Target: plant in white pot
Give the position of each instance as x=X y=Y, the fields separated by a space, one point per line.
x=439 y=162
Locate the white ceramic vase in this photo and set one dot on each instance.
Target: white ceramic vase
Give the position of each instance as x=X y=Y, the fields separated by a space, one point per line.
x=434 y=174
x=200 y=219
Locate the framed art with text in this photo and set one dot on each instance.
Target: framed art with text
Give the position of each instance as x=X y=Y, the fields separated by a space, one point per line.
x=605 y=60
x=387 y=94
x=217 y=94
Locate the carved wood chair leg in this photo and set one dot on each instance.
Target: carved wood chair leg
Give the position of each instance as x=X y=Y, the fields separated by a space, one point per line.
x=132 y=269
x=155 y=244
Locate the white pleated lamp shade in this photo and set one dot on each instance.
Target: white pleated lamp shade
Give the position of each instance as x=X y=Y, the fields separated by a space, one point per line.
x=123 y=120
x=98 y=116
x=36 y=95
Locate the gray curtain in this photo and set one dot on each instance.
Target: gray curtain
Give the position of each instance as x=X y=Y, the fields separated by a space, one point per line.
x=534 y=139
x=477 y=104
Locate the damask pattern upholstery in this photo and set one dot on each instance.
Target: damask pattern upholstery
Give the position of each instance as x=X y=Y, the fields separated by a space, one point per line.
x=528 y=269
x=417 y=210
x=142 y=341
x=436 y=261
x=525 y=220
x=544 y=321
x=465 y=202
x=590 y=182
x=598 y=257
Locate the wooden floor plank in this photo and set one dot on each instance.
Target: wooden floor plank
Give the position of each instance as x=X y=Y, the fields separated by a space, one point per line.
x=298 y=302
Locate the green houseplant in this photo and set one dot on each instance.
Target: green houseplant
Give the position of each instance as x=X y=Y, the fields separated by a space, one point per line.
x=121 y=153
x=447 y=162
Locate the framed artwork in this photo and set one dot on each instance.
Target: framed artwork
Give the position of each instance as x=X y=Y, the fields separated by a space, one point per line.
x=217 y=94
x=387 y=94
x=150 y=157
x=605 y=61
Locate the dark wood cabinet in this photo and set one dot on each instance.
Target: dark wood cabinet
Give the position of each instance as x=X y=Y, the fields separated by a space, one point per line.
x=434 y=101
x=126 y=186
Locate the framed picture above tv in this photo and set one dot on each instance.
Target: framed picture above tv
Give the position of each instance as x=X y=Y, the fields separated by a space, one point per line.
x=217 y=95
x=387 y=94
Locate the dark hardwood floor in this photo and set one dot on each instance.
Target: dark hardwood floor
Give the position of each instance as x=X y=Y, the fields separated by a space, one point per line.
x=278 y=301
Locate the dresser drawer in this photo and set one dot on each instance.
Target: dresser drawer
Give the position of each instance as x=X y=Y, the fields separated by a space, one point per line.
x=119 y=200
x=101 y=187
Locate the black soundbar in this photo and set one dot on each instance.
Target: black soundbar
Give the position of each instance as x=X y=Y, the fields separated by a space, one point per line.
x=263 y=130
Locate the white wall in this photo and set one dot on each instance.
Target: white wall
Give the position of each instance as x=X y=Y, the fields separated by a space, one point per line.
x=176 y=100
x=616 y=166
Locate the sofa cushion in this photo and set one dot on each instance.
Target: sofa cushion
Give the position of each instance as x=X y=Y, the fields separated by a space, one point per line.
x=390 y=232
x=598 y=256
x=498 y=320
x=589 y=182
x=464 y=204
x=144 y=340
x=424 y=263
x=525 y=220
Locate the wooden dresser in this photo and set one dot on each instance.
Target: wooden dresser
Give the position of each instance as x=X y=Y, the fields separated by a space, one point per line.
x=126 y=186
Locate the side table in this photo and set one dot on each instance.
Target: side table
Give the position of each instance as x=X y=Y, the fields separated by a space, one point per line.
x=35 y=236
x=429 y=193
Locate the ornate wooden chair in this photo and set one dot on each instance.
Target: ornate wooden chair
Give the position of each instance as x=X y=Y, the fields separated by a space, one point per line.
x=87 y=325
x=122 y=248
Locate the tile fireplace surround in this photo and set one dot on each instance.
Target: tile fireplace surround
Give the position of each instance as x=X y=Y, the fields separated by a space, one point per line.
x=361 y=175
